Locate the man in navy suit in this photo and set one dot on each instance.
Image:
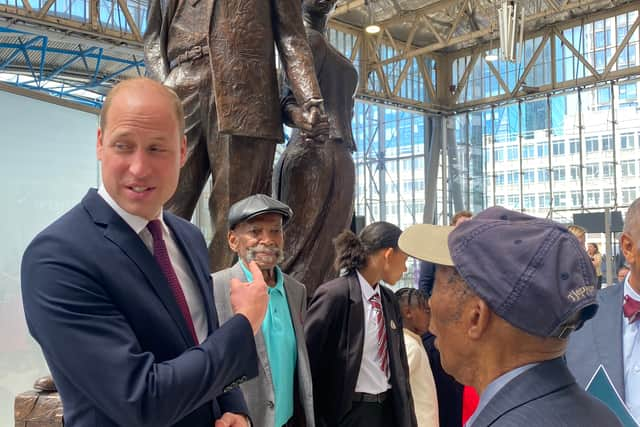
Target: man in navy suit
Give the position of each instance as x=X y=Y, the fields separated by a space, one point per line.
x=118 y=293
x=612 y=339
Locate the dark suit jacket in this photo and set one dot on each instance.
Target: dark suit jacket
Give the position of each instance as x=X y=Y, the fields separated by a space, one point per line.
x=545 y=396
x=242 y=35
x=335 y=336
x=449 y=390
x=427 y=277
x=599 y=341
x=111 y=331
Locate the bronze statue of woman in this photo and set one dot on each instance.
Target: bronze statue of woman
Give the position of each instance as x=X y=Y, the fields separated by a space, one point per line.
x=316 y=178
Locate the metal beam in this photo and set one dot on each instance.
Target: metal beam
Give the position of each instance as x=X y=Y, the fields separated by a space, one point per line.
x=530 y=65
x=623 y=44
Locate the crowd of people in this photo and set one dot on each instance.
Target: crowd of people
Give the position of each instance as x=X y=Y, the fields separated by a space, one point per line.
x=136 y=331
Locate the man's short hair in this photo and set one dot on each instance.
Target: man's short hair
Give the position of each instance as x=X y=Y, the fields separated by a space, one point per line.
x=460 y=214
x=176 y=104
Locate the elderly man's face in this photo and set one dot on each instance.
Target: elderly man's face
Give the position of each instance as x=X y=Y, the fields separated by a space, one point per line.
x=260 y=239
x=445 y=324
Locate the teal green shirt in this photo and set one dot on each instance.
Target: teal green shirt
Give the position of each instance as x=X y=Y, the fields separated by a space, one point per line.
x=280 y=340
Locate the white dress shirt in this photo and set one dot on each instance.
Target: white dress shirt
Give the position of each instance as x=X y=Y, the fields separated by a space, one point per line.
x=631 y=356
x=178 y=262
x=371 y=378
x=423 y=386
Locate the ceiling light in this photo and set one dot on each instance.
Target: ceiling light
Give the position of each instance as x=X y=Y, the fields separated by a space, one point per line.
x=372 y=27
x=491 y=57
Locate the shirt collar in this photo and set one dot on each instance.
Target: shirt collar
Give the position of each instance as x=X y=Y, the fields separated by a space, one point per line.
x=279 y=277
x=137 y=223
x=628 y=290
x=365 y=287
x=412 y=334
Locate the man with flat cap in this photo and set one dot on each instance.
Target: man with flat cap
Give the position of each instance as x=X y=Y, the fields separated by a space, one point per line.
x=509 y=290
x=282 y=394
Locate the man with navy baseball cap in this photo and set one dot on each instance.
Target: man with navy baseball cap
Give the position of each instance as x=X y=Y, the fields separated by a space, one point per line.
x=509 y=290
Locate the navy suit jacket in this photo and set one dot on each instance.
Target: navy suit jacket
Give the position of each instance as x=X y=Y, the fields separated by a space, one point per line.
x=599 y=341
x=545 y=396
x=111 y=331
x=334 y=332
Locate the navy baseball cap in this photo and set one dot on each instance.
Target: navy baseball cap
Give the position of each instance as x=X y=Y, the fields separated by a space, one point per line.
x=255 y=205
x=530 y=271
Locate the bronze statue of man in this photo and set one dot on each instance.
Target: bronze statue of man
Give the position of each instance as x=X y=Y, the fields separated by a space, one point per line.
x=219 y=57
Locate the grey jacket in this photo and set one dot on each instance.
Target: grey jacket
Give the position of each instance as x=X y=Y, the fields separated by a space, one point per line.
x=545 y=396
x=599 y=341
x=259 y=392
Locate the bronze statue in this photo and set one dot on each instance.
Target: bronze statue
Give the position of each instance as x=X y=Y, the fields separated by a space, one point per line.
x=218 y=55
x=316 y=178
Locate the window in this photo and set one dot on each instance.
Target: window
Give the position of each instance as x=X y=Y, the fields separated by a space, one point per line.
x=604 y=95
x=558 y=148
x=607 y=197
x=628 y=92
x=627 y=141
x=574 y=146
x=593 y=197
x=392 y=187
x=391 y=209
x=513 y=201
x=591 y=143
x=498 y=154
x=528 y=176
x=406 y=164
x=544 y=200
x=513 y=177
x=559 y=173
x=512 y=152
x=418 y=185
x=543 y=175
x=559 y=200
x=418 y=163
x=628 y=195
x=543 y=149
x=607 y=169
x=607 y=142
x=576 y=198
x=529 y=201
x=500 y=179
x=528 y=151
x=628 y=167
x=575 y=172
x=407 y=186
x=390 y=165
x=499 y=200
x=592 y=170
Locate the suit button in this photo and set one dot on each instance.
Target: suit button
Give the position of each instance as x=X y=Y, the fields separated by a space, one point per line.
x=270 y=404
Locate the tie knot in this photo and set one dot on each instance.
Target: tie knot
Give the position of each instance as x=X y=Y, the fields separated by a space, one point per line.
x=375 y=301
x=155 y=228
x=631 y=309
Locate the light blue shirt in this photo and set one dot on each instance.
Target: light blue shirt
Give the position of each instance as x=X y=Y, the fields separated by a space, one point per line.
x=280 y=340
x=494 y=387
x=631 y=356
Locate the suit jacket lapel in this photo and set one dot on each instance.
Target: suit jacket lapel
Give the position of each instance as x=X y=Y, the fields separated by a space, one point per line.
x=607 y=332
x=119 y=232
x=355 y=330
x=538 y=381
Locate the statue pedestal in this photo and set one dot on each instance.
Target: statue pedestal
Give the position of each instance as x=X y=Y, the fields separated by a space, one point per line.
x=38 y=408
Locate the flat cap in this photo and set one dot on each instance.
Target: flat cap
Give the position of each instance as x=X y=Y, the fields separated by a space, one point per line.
x=255 y=205
x=532 y=272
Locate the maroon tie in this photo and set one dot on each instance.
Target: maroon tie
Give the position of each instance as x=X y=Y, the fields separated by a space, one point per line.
x=631 y=309
x=161 y=255
x=382 y=355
